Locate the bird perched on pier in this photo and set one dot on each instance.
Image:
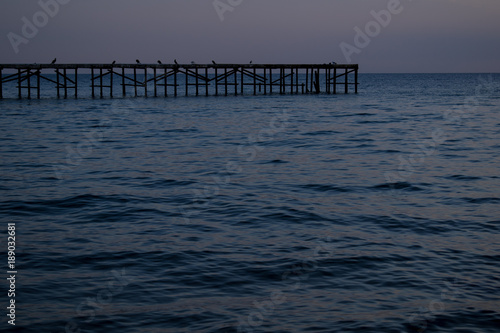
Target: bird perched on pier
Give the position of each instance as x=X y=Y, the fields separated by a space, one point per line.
x=137 y=61
x=159 y=62
x=114 y=62
x=213 y=62
x=53 y=61
x=175 y=61
x=192 y=63
x=251 y=61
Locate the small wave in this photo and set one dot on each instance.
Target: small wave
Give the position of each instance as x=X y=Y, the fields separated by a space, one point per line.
x=60 y=206
x=277 y=161
x=288 y=214
x=361 y=140
x=374 y=121
x=181 y=130
x=325 y=188
x=397 y=186
x=482 y=200
x=462 y=177
x=168 y=183
x=321 y=133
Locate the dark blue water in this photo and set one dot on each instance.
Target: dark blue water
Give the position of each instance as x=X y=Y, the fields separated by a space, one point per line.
x=376 y=212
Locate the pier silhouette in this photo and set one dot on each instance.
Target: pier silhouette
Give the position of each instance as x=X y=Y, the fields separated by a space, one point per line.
x=176 y=79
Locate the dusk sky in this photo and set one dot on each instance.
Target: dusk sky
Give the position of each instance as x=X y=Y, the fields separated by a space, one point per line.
x=417 y=36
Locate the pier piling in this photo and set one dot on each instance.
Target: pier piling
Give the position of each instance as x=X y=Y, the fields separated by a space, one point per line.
x=76 y=83
x=346 y=82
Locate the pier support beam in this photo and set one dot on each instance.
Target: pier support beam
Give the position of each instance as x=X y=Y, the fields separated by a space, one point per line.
x=155 y=83
x=335 y=80
x=254 y=81
x=281 y=80
x=65 y=84
x=316 y=82
x=76 y=83
x=270 y=80
x=110 y=82
x=312 y=80
x=196 y=80
x=206 y=82
x=356 y=81
x=100 y=83
x=145 y=82
x=124 y=88
x=265 y=82
x=92 y=83
x=19 y=92
x=327 y=80
x=235 y=80
x=296 y=72
x=346 y=81
x=28 y=82
x=225 y=80
x=38 y=84
x=175 y=82
x=135 y=81
x=165 y=82
x=216 y=82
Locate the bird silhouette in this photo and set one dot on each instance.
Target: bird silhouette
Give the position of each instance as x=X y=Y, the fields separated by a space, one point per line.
x=213 y=62
x=137 y=61
x=53 y=61
x=192 y=63
x=159 y=62
x=175 y=61
x=114 y=62
x=251 y=61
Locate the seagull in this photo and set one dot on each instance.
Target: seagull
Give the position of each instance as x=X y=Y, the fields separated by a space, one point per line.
x=251 y=61
x=159 y=62
x=175 y=61
x=137 y=61
x=114 y=62
x=213 y=62
x=53 y=61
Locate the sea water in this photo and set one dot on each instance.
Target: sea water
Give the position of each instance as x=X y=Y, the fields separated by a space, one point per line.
x=369 y=212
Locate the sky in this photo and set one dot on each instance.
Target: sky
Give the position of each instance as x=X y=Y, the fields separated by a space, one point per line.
x=382 y=36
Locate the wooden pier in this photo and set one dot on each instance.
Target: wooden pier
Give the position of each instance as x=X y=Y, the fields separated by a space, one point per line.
x=176 y=79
